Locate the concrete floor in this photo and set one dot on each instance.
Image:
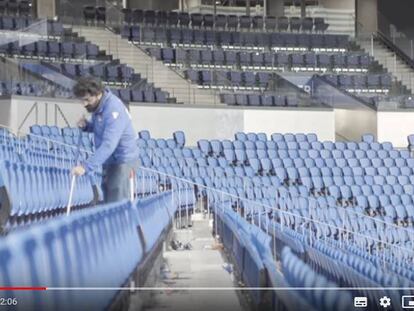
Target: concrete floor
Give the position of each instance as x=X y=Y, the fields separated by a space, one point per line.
x=202 y=266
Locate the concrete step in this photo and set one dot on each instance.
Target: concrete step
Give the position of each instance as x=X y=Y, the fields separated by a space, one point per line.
x=392 y=63
x=154 y=71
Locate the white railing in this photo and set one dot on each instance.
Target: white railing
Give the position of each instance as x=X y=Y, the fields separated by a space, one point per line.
x=258 y=213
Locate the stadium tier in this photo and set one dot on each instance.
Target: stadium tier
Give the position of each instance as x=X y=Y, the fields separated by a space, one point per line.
x=221 y=59
x=331 y=201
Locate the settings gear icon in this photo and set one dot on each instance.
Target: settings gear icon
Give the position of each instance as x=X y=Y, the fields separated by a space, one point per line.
x=385 y=302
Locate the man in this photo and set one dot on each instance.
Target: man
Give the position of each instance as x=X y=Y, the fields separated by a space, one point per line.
x=115 y=139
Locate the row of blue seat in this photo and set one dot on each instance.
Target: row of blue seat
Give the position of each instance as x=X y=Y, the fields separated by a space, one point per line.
x=326 y=172
x=16 y=7
x=105 y=71
x=178 y=138
x=247 y=248
x=259 y=100
x=32 y=189
x=299 y=274
x=50 y=49
x=356 y=271
x=25 y=88
x=271 y=149
x=331 y=220
x=47 y=130
x=261 y=79
x=58 y=158
x=250 y=251
x=146 y=183
x=271 y=60
x=308 y=143
x=94 y=14
x=149 y=96
x=244 y=22
x=386 y=206
x=239 y=40
x=305 y=158
x=360 y=81
x=35 y=189
x=229 y=78
x=39 y=153
x=332 y=256
x=68 y=136
x=77 y=251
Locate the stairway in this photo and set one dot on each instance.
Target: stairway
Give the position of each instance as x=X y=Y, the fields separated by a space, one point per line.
x=390 y=61
x=148 y=67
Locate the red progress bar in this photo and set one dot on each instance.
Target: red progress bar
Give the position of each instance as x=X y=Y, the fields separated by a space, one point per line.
x=23 y=288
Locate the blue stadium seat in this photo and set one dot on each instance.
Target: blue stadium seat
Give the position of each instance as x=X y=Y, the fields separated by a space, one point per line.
x=254 y=100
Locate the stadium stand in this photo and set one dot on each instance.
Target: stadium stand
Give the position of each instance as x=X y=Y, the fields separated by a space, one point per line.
x=61 y=55
x=255 y=56
x=288 y=170
x=254 y=173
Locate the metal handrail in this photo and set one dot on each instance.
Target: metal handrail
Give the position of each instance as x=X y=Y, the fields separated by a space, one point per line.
x=305 y=219
x=393 y=47
x=261 y=208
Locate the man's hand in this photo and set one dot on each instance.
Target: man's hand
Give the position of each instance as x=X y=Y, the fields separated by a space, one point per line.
x=78 y=170
x=82 y=122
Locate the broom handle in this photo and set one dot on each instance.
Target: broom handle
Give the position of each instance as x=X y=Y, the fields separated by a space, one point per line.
x=72 y=189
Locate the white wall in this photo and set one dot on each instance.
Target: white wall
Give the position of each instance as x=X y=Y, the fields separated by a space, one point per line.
x=222 y=123
x=321 y=122
x=367 y=16
x=395 y=126
x=191 y=4
x=197 y=122
x=46 y=112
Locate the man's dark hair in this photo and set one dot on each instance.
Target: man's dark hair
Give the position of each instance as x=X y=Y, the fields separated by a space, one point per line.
x=88 y=85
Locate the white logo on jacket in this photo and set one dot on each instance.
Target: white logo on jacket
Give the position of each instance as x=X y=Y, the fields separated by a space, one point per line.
x=115 y=115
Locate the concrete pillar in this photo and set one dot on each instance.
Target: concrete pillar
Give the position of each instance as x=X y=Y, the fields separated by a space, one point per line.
x=248 y=7
x=366 y=16
x=188 y=4
x=303 y=8
x=154 y=4
x=275 y=7
x=46 y=8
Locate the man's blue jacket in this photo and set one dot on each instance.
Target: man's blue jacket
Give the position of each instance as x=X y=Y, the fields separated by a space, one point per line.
x=115 y=138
